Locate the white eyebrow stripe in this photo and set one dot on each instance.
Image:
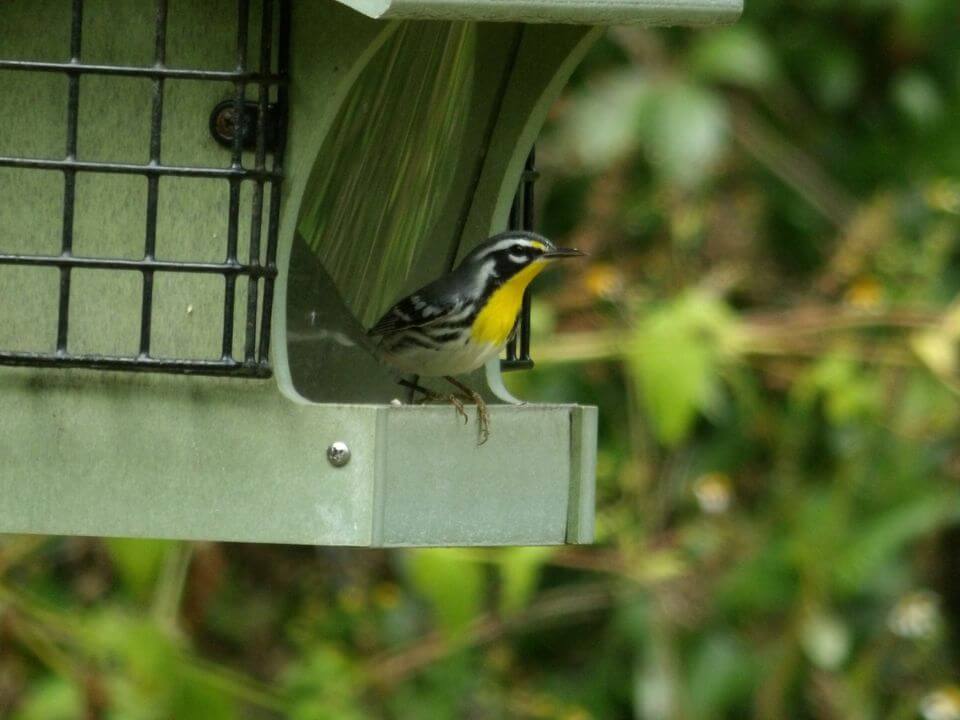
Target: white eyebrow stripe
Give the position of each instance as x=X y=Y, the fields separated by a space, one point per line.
x=504 y=244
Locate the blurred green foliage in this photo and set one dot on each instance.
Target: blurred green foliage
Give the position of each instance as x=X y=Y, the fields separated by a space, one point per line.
x=770 y=326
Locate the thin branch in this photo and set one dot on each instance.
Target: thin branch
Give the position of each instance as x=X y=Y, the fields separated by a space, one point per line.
x=560 y=606
x=791 y=164
x=168 y=593
x=44 y=622
x=17 y=548
x=794 y=332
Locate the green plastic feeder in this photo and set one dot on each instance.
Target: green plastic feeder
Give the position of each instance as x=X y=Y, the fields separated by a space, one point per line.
x=204 y=203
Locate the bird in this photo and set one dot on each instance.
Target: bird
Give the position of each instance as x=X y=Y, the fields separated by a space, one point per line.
x=458 y=322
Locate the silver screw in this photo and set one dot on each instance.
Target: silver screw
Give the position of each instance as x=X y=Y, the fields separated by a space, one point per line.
x=338 y=454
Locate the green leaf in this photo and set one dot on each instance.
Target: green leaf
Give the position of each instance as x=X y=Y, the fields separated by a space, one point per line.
x=147 y=674
x=836 y=75
x=762 y=583
x=140 y=663
x=674 y=358
x=137 y=562
x=52 y=698
x=848 y=391
x=925 y=409
x=452 y=584
x=599 y=127
x=721 y=676
x=195 y=701
x=738 y=55
x=683 y=128
x=918 y=98
x=519 y=572
x=819 y=528
x=135 y=643
x=324 y=685
x=880 y=540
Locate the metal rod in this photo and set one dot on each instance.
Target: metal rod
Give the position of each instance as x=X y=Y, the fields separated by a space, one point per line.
x=236 y=163
x=529 y=178
x=151 y=364
x=79 y=68
x=514 y=224
x=273 y=229
x=69 y=176
x=522 y=217
x=263 y=100
x=529 y=223
x=72 y=261
x=132 y=168
x=230 y=281
x=153 y=182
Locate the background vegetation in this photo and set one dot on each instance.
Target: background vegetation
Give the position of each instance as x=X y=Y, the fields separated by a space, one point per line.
x=770 y=325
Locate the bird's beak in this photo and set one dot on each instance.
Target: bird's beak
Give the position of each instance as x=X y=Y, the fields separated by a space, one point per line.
x=563 y=253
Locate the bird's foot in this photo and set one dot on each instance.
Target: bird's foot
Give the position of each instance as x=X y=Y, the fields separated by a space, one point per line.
x=483 y=412
x=430 y=396
x=483 y=419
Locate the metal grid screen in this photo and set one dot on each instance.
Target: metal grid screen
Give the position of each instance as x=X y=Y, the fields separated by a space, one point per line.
x=267 y=127
x=522 y=218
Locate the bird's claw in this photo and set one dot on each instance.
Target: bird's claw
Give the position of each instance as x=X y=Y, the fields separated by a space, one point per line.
x=483 y=424
x=457 y=400
x=459 y=407
x=483 y=412
x=483 y=418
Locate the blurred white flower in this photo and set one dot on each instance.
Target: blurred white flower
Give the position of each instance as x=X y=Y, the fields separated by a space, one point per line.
x=916 y=615
x=714 y=493
x=826 y=641
x=941 y=704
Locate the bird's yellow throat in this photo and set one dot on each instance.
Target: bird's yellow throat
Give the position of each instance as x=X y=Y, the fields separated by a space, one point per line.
x=495 y=321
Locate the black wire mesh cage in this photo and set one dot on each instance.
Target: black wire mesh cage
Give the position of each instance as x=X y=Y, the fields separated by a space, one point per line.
x=254 y=131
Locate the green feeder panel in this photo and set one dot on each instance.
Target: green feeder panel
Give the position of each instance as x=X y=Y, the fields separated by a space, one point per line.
x=267 y=418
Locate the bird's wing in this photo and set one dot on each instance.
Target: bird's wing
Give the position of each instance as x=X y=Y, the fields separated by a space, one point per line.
x=411 y=312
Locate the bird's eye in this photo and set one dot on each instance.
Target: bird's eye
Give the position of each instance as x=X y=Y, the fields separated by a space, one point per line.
x=519 y=248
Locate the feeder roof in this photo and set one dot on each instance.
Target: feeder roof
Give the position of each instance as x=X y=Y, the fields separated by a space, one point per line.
x=583 y=12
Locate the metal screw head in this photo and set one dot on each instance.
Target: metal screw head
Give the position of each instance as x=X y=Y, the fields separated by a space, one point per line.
x=338 y=454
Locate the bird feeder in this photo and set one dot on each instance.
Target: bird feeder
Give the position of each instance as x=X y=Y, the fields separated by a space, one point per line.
x=203 y=205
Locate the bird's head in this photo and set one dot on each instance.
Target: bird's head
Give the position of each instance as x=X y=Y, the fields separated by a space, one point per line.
x=510 y=252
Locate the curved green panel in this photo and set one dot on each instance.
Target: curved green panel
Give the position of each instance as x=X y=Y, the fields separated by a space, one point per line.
x=314 y=347
x=385 y=170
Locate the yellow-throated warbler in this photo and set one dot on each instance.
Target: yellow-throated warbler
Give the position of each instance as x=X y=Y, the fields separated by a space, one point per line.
x=459 y=321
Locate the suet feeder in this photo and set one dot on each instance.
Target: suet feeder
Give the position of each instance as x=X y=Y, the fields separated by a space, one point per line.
x=202 y=203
